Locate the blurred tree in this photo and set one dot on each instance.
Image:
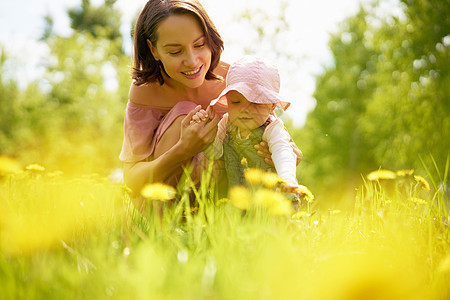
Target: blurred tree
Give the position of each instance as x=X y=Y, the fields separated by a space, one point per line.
x=100 y=21
x=384 y=102
x=266 y=32
x=88 y=80
x=17 y=111
x=72 y=118
x=9 y=92
x=412 y=80
x=48 y=30
x=332 y=139
x=89 y=84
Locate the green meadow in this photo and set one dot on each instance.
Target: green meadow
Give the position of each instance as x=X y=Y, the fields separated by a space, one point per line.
x=82 y=238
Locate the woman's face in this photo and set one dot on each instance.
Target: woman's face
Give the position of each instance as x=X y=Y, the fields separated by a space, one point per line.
x=246 y=115
x=182 y=49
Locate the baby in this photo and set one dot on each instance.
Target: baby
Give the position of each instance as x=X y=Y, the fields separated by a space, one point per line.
x=251 y=94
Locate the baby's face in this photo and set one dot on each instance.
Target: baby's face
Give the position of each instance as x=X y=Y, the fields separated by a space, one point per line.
x=246 y=115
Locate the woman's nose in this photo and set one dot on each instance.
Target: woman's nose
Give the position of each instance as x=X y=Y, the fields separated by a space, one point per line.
x=191 y=58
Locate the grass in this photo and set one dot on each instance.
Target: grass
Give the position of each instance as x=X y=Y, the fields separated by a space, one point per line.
x=81 y=238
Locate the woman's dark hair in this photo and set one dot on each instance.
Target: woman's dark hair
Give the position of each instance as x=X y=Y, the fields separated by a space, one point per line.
x=146 y=68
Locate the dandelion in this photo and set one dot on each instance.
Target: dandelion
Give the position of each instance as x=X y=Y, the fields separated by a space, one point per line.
x=275 y=203
x=403 y=173
x=158 y=191
x=335 y=212
x=222 y=201
x=126 y=189
x=55 y=174
x=418 y=201
x=423 y=182
x=270 y=179
x=240 y=197
x=35 y=168
x=444 y=265
x=191 y=210
x=253 y=176
x=282 y=182
x=300 y=215
x=304 y=193
x=280 y=208
x=8 y=165
x=244 y=162
x=381 y=174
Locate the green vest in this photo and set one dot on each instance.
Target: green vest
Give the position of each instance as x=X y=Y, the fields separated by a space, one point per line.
x=234 y=149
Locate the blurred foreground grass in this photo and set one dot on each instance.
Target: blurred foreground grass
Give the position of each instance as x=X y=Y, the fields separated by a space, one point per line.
x=81 y=238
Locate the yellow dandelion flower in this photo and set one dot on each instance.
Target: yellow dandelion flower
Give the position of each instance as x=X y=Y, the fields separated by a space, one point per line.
x=55 y=174
x=423 y=182
x=223 y=200
x=275 y=203
x=280 y=208
x=244 y=162
x=35 y=168
x=8 y=165
x=304 y=193
x=300 y=215
x=158 y=191
x=403 y=173
x=270 y=179
x=335 y=212
x=126 y=189
x=191 y=210
x=418 y=201
x=282 y=181
x=240 y=197
x=253 y=176
x=444 y=265
x=381 y=174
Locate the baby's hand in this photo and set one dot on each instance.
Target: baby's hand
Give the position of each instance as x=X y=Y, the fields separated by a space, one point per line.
x=200 y=116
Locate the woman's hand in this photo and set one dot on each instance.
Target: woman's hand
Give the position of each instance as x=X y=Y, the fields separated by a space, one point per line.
x=196 y=136
x=263 y=151
x=297 y=151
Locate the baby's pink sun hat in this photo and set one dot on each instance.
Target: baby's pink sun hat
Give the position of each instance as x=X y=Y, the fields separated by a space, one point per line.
x=256 y=79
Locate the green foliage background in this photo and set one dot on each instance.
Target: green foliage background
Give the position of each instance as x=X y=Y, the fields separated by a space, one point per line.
x=384 y=102
x=70 y=119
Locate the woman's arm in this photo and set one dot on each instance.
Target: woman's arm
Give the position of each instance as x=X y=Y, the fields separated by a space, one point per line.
x=194 y=138
x=136 y=175
x=263 y=151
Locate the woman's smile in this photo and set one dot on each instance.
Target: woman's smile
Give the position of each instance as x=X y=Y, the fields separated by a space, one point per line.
x=194 y=73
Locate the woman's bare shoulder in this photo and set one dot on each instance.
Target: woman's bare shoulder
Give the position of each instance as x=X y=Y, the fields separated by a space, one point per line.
x=143 y=94
x=222 y=69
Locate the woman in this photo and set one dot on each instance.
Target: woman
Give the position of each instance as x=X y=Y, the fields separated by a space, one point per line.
x=177 y=71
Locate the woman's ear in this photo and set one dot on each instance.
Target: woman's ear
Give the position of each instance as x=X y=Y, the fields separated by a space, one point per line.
x=153 y=50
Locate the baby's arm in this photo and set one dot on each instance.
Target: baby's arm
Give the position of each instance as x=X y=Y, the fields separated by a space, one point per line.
x=283 y=156
x=215 y=150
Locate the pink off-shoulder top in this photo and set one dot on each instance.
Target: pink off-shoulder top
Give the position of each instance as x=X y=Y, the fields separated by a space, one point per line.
x=144 y=125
